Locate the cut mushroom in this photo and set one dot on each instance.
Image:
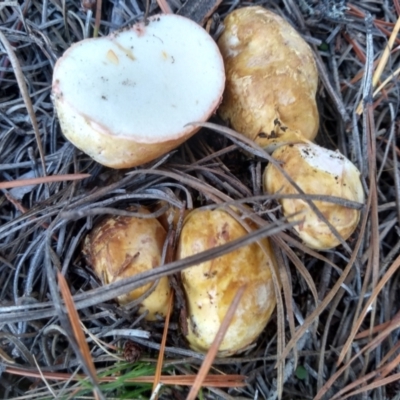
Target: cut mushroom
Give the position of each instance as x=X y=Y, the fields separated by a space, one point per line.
x=128 y=98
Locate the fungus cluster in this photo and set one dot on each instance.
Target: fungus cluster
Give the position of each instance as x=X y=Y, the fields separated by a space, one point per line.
x=271 y=83
x=130 y=97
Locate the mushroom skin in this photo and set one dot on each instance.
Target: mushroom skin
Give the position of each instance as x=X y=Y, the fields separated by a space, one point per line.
x=211 y=286
x=316 y=171
x=99 y=143
x=120 y=247
x=271 y=79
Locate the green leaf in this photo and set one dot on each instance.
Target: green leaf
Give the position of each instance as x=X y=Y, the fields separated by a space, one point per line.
x=324 y=47
x=301 y=373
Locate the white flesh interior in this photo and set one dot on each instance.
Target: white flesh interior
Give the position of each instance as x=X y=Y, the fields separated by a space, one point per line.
x=331 y=162
x=145 y=83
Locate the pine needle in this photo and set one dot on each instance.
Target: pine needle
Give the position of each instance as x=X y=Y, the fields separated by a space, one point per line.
x=98 y=18
x=385 y=55
x=25 y=95
x=44 y=179
x=165 y=8
x=163 y=343
x=212 y=352
x=76 y=325
x=44 y=379
x=383 y=60
x=183 y=380
x=389 y=273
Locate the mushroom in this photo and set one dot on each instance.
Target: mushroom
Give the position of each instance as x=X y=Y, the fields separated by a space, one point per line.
x=316 y=171
x=120 y=247
x=271 y=79
x=211 y=286
x=128 y=98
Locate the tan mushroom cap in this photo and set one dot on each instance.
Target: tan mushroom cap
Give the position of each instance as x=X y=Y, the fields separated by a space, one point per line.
x=271 y=78
x=211 y=286
x=317 y=171
x=121 y=247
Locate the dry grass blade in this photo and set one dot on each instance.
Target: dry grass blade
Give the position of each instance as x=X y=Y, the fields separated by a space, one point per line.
x=25 y=95
x=184 y=380
x=5 y=357
x=44 y=179
x=386 y=81
x=160 y=359
x=45 y=380
x=76 y=326
x=212 y=352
